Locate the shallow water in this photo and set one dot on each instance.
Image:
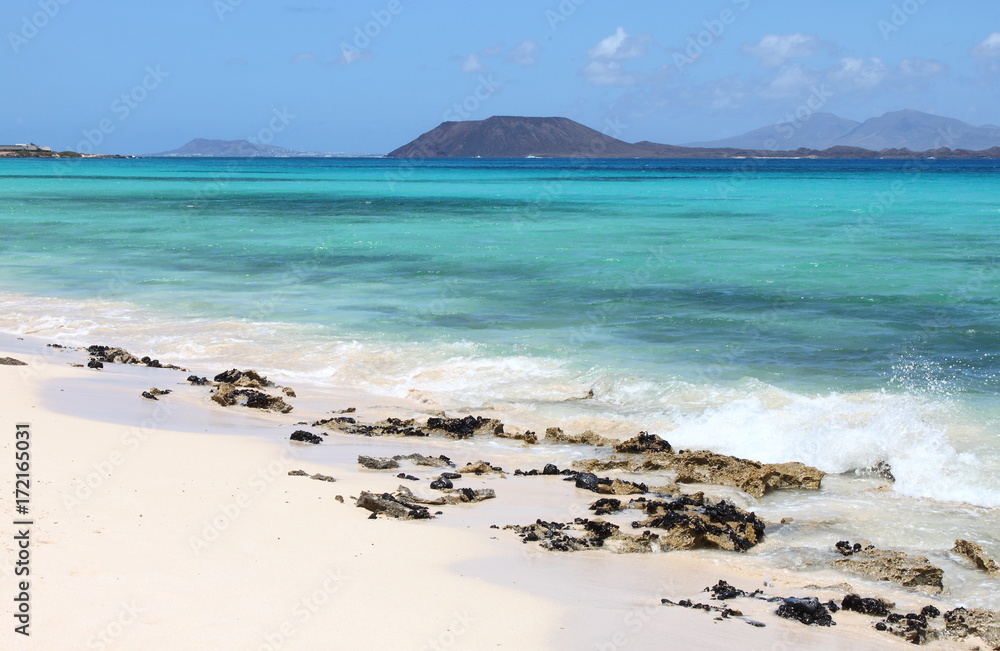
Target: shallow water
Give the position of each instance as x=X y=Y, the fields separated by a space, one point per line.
x=839 y=313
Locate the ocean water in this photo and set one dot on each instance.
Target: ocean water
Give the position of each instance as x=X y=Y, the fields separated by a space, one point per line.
x=839 y=313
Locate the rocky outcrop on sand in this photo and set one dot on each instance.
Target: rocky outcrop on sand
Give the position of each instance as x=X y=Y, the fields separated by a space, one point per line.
x=228 y=395
x=913 y=627
x=387 y=504
x=653 y=454
x=317 y=476
x=751 y=477
x=556 y=435
x=462 y=428
x=448 y=496
x=978 y=626
x=808 y=611
x=389 y=463
x=302 y=436
x=692 y=523
x=377 y=463
x=152 y=393
x=979 y=623
x=974 y=553
x=680 y=523
x=866 y=605
x=249 y=378
x=907 y=570
x=10 y=361
x=115 y=355
x=480 y=468
x=644 y=443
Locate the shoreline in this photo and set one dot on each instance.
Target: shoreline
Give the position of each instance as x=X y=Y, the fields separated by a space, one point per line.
x=161 y=472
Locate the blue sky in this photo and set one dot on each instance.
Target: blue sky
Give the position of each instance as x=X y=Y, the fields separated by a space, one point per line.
x=120 y=76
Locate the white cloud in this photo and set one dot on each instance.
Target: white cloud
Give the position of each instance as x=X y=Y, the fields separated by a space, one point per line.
x=775 y=49
x=854 y=73
x=523 y=53
x=607 y=73
x=472 y=64
x=618 y=46
x=923 y=68
x=791 y=81
x=989 y=48
x=605 y=68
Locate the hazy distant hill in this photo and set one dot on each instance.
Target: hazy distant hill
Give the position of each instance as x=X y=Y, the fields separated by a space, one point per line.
x=906 y=129
x=819 y=131
x=917 y=131
x=242 y=149
x=516 y=137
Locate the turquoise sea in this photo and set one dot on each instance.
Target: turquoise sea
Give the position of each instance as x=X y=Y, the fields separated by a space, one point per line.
x=839 y=313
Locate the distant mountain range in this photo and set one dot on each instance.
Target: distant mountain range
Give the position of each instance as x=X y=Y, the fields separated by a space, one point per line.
x=907 y=129
x=902 y=134
x=244 y=149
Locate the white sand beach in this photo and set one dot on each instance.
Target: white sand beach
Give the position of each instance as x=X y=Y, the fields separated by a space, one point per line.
x=174 y=524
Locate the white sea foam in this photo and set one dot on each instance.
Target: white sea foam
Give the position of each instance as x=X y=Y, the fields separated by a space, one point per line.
x=933 y=450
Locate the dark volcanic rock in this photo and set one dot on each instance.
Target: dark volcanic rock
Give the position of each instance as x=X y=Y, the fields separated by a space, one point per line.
x=388 y=427
x=248 y=378
x=723 y=591
x=95 y=364
x=555 y=536
x=197 y=381
x=441 y=483
x=696 y=524
x=808 y=611
x=387 y=504
x=227 y=395
x=865 y=605
x=644 y=443
x=112 y=355
x=912 y=627
x=149 y=396
x=587 y=481
x=461 y=428
x=305 y=437
x=377 y=463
